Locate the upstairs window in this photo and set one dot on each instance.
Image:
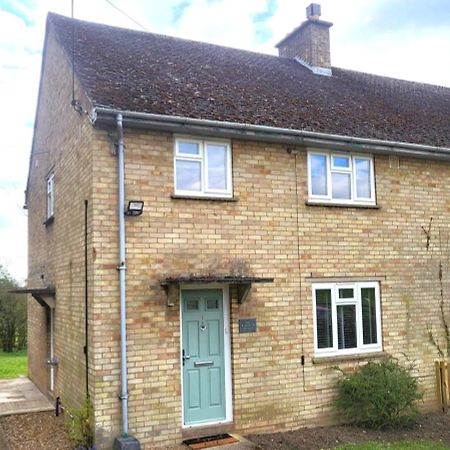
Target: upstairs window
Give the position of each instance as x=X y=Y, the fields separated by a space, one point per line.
x=202 y=168
x=50 y=195
x=341 y=178
x=346 y=318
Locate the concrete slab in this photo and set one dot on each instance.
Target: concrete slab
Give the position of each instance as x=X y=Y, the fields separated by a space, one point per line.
x=20 y=395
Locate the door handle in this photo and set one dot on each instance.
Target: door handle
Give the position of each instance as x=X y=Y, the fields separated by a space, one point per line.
x=185 y=357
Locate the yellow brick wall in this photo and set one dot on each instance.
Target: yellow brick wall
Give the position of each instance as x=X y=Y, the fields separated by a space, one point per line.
x=259 y=232
x=56 y=251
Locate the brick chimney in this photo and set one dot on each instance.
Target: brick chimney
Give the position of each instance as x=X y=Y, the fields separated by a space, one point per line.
x=309 y=43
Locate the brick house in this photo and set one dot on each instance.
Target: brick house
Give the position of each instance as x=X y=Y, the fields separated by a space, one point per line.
x=281 y=231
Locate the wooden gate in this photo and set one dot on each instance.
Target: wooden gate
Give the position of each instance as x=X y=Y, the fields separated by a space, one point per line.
x=443 y=383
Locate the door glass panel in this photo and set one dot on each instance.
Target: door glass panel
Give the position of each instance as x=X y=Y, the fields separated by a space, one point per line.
x=318 y=174
x=212 y=303
x=188 y=175
x=217 y=167
x=369 y=315
x=346 y=323
x=341 y=186
x=191 y=305
x=362 y=178
x=324 y=318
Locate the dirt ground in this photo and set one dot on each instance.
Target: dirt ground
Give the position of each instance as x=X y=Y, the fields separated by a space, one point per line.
x=35 y=431
x=430 y=427
x=44 y=431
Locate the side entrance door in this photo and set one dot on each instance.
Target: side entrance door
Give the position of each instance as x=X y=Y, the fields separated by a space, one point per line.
x=203 y=356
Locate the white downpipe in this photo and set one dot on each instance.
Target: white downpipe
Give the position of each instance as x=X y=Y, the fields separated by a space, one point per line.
x=52 y=349
x=122 y=269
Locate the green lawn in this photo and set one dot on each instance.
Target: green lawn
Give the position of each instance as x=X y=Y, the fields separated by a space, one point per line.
x=13 y=364
x=405 y=445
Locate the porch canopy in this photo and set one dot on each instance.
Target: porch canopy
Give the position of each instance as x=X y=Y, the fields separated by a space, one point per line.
x=242 y=283
x=44 y=296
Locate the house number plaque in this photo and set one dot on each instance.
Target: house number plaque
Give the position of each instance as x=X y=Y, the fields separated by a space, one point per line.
x=247 y=325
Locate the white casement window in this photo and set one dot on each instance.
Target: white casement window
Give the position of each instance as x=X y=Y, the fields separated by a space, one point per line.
x=341 y=178
x=202 y=168
x=50 y=195
x=346 y=318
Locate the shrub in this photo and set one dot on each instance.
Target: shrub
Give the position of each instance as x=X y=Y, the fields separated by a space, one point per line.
x=378 y=395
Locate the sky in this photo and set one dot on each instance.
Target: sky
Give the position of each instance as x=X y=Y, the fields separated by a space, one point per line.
x=407 y=39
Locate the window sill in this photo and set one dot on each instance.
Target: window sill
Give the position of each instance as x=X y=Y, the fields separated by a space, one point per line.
x=201 y=197
x=341 y=205
x=346 y=358
x=49 y=221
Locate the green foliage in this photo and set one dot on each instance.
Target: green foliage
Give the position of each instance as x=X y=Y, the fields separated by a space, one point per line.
x=378 y=395
x=403 y=445
x=13 y=315
x=80 y=424
x=13 y=365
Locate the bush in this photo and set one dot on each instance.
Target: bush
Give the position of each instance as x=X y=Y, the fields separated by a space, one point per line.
x=378 y=395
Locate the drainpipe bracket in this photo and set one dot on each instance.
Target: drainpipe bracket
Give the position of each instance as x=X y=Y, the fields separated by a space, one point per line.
x=122 y=267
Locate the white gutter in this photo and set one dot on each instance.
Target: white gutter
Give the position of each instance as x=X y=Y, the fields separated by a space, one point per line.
x=106 y=116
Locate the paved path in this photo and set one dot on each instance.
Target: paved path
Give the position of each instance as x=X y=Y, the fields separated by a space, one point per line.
x=20 y=395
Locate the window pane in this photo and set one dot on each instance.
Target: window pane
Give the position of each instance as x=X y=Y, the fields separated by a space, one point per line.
x=362 y=178
x=217 y=167
x=324 y=318
x=346 y=323
x=341 y=186
x=191 y=305
x=346 y=293
x=318 y=174
x=188 y=148
x=188 y=175
x=369 y=315
x=341 y=161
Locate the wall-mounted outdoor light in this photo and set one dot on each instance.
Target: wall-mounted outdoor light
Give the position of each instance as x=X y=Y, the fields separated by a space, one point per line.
x=134 y=208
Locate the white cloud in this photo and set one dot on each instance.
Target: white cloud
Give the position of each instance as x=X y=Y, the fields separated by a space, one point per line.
x=415 y=53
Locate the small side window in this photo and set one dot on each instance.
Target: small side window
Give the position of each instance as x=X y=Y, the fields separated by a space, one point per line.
x=50 y=195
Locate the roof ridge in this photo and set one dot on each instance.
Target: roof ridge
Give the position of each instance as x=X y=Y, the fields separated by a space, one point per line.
x=52 y=15
x=387 y=77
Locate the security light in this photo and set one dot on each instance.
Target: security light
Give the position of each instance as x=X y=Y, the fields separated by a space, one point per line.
x=135 y=208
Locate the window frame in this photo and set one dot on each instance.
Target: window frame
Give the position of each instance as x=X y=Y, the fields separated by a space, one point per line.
x=356 y=300
x=330 y=169
x=202 y=158
x=50 y=195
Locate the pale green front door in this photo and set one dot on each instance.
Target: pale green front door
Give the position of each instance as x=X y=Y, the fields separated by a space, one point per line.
x=203 y=356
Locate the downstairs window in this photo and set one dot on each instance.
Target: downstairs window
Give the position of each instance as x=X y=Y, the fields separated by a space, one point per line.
x=346 y=318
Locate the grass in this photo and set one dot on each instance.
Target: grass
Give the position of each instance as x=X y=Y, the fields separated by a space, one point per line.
x=13 y=365
x=403 y=445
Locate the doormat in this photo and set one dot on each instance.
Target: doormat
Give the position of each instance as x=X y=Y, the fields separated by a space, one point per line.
x=210 y=441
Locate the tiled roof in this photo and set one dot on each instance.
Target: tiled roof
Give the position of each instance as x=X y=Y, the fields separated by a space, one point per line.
x=146 y=72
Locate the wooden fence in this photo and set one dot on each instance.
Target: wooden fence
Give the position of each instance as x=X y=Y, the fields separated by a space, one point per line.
x=443 y=383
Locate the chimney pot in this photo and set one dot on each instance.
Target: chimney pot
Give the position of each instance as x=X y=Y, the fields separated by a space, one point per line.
x=313 y=11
